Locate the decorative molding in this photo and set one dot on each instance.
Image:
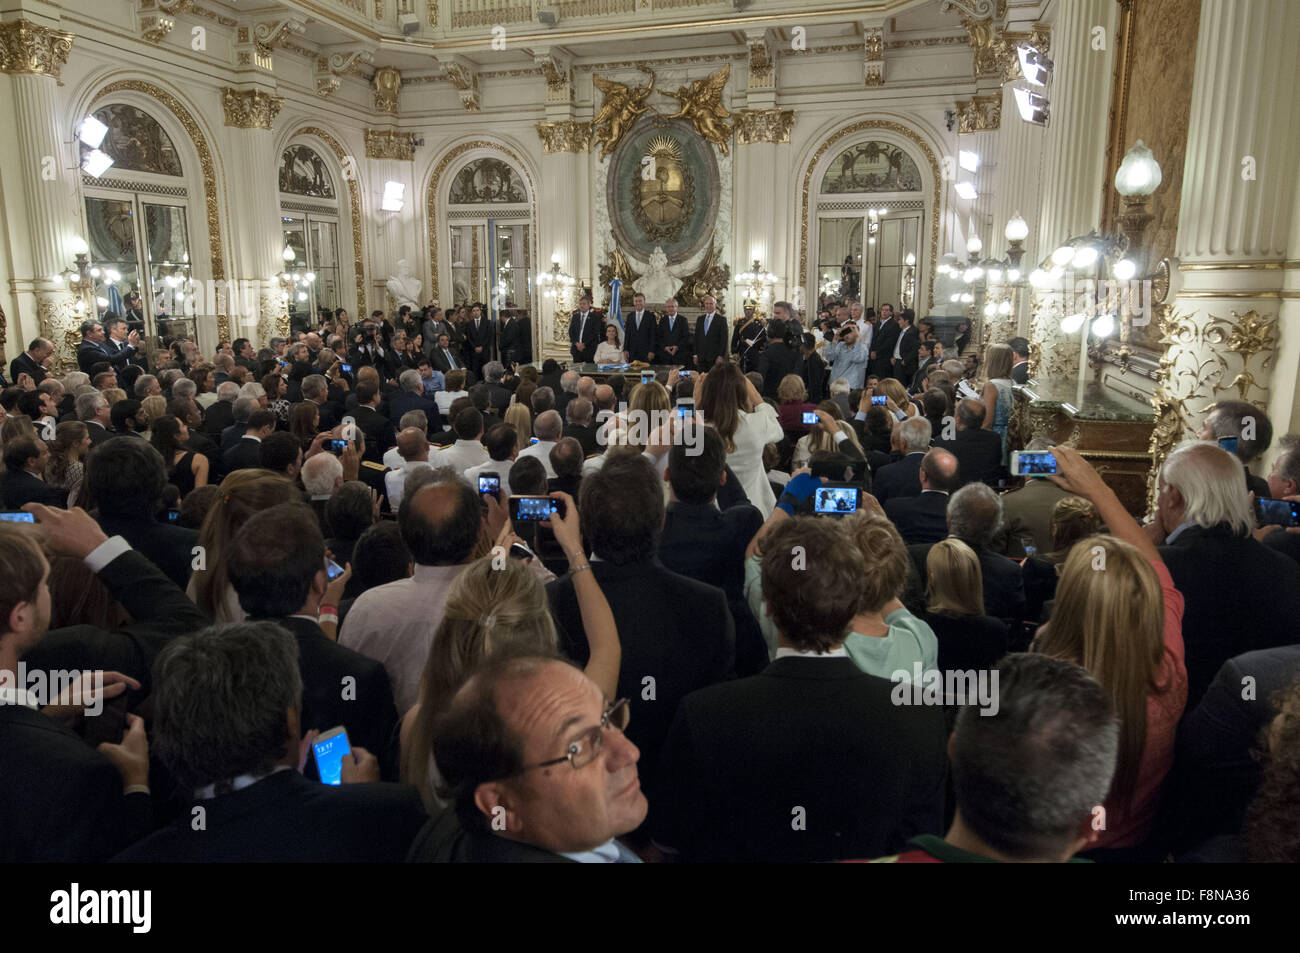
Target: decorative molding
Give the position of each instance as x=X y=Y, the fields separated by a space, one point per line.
x=558 y=70
x=212 y=15
x=250 y=108
x=267 y=36
x=27 y=47
x=154 y=27
x=762 y=60
x=354 y=200
x=462 y=74
x=1272 y=264
x=648 y=64
x=873 y=61
x=565 y=135
x=151 y=188
x=763 y=125
x=388 y=88
x=291 y=205
x=980 y=114
x=383 y=144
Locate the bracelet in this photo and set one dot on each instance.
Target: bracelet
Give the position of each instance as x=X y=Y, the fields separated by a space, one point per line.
x=574 y=570
x=328 y=612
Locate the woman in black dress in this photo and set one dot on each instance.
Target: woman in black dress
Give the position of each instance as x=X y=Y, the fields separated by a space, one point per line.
x=185 y=468
x=969 y=640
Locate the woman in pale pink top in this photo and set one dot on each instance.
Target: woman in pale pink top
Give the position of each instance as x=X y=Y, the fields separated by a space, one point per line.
x=1118 y=615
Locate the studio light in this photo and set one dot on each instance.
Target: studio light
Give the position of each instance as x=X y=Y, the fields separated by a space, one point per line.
x=970 y=161
x=394 y=197
x=1033 y=108
x=91 y=131
x=967 y=191
x=1034 y=67
x=95 y=163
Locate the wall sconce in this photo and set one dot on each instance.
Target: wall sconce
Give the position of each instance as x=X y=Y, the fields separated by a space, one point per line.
x=757 y=282
x=1137 y=178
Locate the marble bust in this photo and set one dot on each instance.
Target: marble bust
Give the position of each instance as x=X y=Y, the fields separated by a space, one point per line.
x=658 y=283
x=405 y=287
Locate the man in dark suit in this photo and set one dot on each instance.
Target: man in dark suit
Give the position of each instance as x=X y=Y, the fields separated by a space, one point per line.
x=566 y=459
x=778 y=358
x=25 y=459
x=929 y=357
x=1020 y=367
x=811 y=368
x=277 y=816
x=435 y=325
x=673 y=630
x=367 y=347
x=882 y=343
x=516 y=340
x=65 y=801
x=639 y=342
x=813 y=758
x=584 y=332
x=912 y=438
x=673 y=336
x=91 y=350
x=32 y=361
x=707 y=544
x=480 y=339
x=94 y=412
x=498 y=394
x=978 y=451
x=443 y=355
x=411 y=397
x=277 y=566
x=379 y=431
x=246 y=452
x=906 y=350
x=1252 y=430
x=924 y=518
x=1240 y=595
x=578 y=425
x=220 y=414
x=711 y=338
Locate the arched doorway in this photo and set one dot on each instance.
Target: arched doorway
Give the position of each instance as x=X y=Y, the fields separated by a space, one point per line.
x=310 y=225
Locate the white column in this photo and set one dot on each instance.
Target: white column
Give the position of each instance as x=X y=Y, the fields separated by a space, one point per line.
x=1019 y=154
x=557 y=226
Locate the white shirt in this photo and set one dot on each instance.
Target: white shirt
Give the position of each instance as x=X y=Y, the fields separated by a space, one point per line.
x=460 y=456
x=898 y=344
x=393 y=459
x=755 y=432
x=445 y=398
x=582 y=324
x=542 y=451
x=395 y=482
x=785 y=652
x=500 y=467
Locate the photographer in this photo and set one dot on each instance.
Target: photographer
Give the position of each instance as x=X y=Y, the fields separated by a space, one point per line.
x=367 y=346
x=847 y=356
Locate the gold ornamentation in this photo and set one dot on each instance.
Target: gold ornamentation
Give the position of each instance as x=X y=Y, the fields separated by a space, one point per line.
x=873 y=74
x=805 y=206
x=59 y=322
x=489 y=17
x=763 y=125
x=1039 y=37
x=559 y=77
x=762 y=74
x=465 y=79
x=662 y=203
x=433 y=12
x=214 y=17
x=250 y=108
x=267 y=36
x=388 y=84
x=27 y=47
x=701 y=103
x=354 y=197
x=564 y=135
x=330 y=69
x=618 y=110
x=874 y=43
x=383 y=144
x=710 y=278
x=980 y=114
x=617 y=267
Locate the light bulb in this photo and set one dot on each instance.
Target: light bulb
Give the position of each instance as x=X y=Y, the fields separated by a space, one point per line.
x=973 y=245
x=1017 y=229
x=1013 y=274
x=1085 y=257
x=1004 y=307
x=1072 y=323
x=967 y=298
x=995 y=275
x=990 y=309
x=1062 y=255
x=1124 y=269
x=1039 y=278
x=288 y=254
x=1103 y=326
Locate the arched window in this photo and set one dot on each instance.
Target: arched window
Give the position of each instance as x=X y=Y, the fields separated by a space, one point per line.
x=489 y=221
x=309 y=221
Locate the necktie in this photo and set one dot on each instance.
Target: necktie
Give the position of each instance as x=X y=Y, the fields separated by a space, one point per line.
x=707 y=319
x=450 y=360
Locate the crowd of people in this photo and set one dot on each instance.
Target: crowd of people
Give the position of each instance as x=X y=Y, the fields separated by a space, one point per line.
x=720 y=645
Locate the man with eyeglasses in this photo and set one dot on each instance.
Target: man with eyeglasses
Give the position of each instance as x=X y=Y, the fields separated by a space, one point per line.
x=536 y=765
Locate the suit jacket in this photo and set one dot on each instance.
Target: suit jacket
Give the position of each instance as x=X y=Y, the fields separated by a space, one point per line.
x=1004 y=587
x=1028 y=511
x=168 y=547
x=286 y=818
x=907 y=351
x=479 y=334
x=21 y=487
x=920 y=519
x=711 y=344
x=443 y=360
x=812 y=369
x=244 y=455
x=978 y=453
x=639 y=340
x=1020 y=372
x=233 y=434
x=405 y=402
x=882 y=342
x=498 y=398
x=516 y=340
x=89 y=354
x=918 y=378
x=217 y=418
x=777 y=360
x=98 y=433
x=678 y=335
x=899 y=479
x=1240 y=596
x=672 y=629
x=379 y=431
x=444 y=841
x=816 y=740
x=369 y=714
x=24 y=364
x=592 y=333
x=585 y=436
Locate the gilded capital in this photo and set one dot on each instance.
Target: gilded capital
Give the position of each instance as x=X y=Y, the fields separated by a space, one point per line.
x=980 y=114
x=382 y=144
x=388 y=84
x=566 y=135
x=250 y=108
x=26 y=47
x=763 y=125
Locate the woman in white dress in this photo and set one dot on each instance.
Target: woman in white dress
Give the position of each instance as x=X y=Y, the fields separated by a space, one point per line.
x=609 y=351
x=728 y=401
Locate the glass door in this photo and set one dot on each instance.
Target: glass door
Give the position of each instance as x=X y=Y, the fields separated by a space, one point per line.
x=314 y=269
x=469 y=263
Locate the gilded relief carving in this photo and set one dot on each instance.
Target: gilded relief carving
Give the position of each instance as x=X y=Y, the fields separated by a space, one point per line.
x=763 y=125
x=565 y=135
x=26 y=47
x=250 y=108
x=384 y=144
x=619 y=109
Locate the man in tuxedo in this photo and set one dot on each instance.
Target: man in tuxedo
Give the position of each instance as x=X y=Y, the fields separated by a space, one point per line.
x=277 y=567
x=32 y=361
x=542 y=712
x=411 y=397
x=883 y=341
x=902 y=478
x=246 y=452
x=378 y=429
x=1240 y=595
x=480 y=339
x=24 y=482
x=811 y=368
x=93 y=347
x=672 y=629
x=978 y=451
x=924 y=518
x=584 y=332
x=778 y=359
x=906 y=349
x=229 y=705
x=674 y=336
x=710 y=336
x=641 y=331
x=64 y=801
x=1020 y=367
x=812 y=734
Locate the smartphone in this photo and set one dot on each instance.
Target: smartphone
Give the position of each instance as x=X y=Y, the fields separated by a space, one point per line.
x=108 y=725
x=520 y=552
x=836 y=499
x=1032 y=464
x=17 y=516
x=332 y=569
x=647 y=377
x=173 y=516
x=347 y=368
x=681 y=374
x=532 y=440
x=686 y=407
x=1228 y=443
x=336 y=447
x=810 y=416
x=535 y=508
x=879 y=400
x=328 y=750
x=1277 y=513
x=490 y=483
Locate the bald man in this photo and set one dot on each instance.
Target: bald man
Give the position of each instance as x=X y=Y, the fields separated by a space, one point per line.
x=923 y=519
x=413 y=448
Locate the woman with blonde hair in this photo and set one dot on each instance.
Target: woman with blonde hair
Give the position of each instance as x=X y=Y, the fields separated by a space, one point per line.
x=969 y=640
x=792 y=398
x=818 y=438
x=151 y=408
x=243 y=494
x=896 y=397
x=650 y=405
x=1118 y=614
x=996 y=392
x=66 y=468
x=728 y=401
x=493 y=610
x=1073 y=518
x=519 y=417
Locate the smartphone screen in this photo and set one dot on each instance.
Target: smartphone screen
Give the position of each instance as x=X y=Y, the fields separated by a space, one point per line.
x=534 y=508
x=173 y=516
x=1277 y=513
x=647 y=377
x=810 y=416
x=1033 y=464
x=329 y=749
x=879 y=400
x=532 y=440
x=489 y=483
x=835 y=500
x=347 y=368
x=336 y=447
x=1228 y=443
x=17 y=516
x=686 y=407
x=332 y=569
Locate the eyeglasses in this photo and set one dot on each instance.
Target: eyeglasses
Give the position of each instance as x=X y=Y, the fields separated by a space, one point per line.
x=586 y=749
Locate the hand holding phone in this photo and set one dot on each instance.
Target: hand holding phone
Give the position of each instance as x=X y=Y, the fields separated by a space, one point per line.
x=536 y=508
x=490 y=483
x=1277 y=513
x=328 y=750
x=810 y=416
x=1029 y=463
